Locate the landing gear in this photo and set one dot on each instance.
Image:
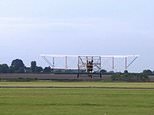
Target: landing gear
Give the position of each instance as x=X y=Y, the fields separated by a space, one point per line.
x=90 y=75
x=78 y=75
x=100 y=75
x=87 y=65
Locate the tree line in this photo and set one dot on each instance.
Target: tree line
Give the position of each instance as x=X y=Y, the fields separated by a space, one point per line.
x=17 y=66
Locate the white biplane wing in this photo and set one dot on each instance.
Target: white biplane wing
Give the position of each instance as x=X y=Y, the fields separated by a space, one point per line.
x=82 y=59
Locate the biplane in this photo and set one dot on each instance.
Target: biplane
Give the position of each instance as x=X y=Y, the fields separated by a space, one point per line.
x=88 y=63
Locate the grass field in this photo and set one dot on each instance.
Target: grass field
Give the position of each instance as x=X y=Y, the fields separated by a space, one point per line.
x=76 y=98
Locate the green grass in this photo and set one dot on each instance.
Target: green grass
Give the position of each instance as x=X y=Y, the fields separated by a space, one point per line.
x=77 y=101
x=81 y=84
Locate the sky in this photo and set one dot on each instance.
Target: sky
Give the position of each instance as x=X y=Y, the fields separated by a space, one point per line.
x=29 y=28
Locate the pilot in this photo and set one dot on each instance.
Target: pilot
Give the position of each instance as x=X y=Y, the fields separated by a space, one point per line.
x=90 y=67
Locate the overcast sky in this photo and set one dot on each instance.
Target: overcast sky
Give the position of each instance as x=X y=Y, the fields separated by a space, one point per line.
x=29 y=28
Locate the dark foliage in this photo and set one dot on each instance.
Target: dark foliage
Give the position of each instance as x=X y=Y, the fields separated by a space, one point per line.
x=38 y=70
x=17 y=66
x=4 y=68
x=33 y=66
x=130 y=77
x=47 y=70
x=148 y=72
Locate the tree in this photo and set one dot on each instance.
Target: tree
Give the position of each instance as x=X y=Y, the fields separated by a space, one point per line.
x=148 y=71
x=47 y=70
x=17 y=66
x=38 y=69
x=33 y=66
x=4 y=68
x=126 y=71
x=28 y=70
